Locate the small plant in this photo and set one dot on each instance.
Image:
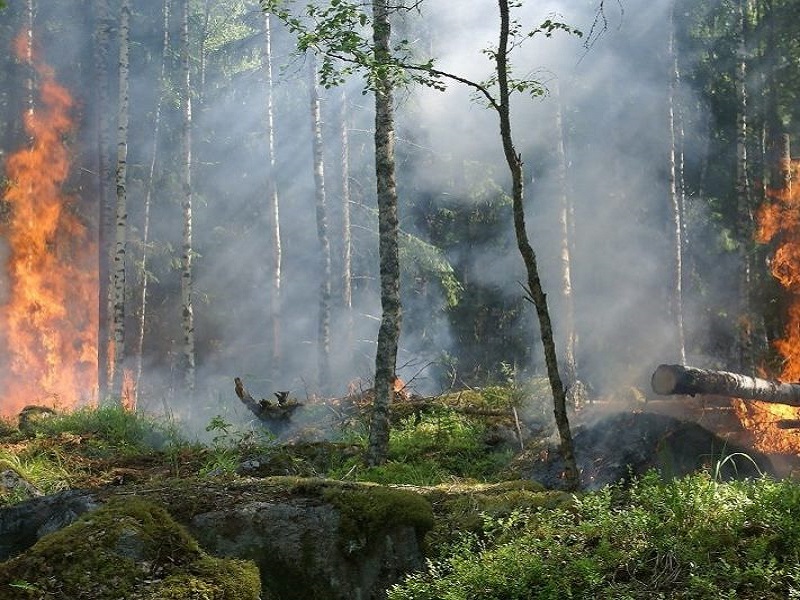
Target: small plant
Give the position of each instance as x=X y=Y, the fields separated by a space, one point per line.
x=688 y=538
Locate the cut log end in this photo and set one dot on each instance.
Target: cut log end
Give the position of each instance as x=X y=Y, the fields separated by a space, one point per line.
x=664 y=380
x=684 y=380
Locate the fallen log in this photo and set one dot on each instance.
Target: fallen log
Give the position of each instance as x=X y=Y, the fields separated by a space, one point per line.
x=690 y=381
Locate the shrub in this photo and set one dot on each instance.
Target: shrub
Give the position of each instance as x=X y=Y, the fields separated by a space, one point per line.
x=689 y=538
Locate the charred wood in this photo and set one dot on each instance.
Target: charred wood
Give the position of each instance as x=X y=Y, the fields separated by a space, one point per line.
x=264 y=409
x=678 y=379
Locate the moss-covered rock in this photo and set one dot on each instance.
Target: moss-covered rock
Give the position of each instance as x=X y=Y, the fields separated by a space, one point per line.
x=129 y=549
x=317 y=538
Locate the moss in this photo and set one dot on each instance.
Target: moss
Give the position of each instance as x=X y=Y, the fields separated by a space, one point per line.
x=211 y=579
x=118 y=551
x=373 y=509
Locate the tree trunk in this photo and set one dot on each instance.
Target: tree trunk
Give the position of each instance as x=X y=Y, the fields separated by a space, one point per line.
x=147 y=203
x=388 y=244
x=121 y=221
x=274 y=256
x=743 y=200
x=680 y=379
x=675 y=225
x=101 y=34
x=347 y=238
x=535 y=289
x=187 y=283
x=324 y=323
x=574 y=388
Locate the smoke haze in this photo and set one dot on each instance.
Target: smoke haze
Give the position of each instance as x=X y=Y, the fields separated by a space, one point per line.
x=613 y=94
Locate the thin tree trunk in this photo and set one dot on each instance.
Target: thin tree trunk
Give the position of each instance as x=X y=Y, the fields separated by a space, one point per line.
x=347 y=237
x=743 y=201
x=574 y=390
x=324 y=323
x=388 y=241
x=121 y=221
x=273 y=216
x=187 y=283
x=147 y=203
x=104 y=357
x=537 y=295
x=676 y=226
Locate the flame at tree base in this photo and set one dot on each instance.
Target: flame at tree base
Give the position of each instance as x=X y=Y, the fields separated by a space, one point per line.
x=775 y=427
x=49 y=320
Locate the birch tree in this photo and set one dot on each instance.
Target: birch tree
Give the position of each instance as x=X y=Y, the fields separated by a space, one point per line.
x=575 y=389
x=187 y=253
x=675 y=207
x=273 y=225
x=143 y=312
x=347 y=238
x=744 y=209
x=101 y=35
x=324 y=317
x=121 y=219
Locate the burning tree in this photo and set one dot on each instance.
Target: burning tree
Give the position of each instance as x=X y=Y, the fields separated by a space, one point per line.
x=779 y=222
x=48 y=328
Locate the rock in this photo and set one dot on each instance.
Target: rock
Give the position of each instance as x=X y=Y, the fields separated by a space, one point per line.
x=334 y=541
x=12 y=483
x=23 y=524
x=310 y=538
x=130 y=549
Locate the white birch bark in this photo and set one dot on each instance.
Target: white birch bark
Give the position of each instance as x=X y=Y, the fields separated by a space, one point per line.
x=187 y=282
x=676 y=225
x=121 y=219
x=347 y=237
x=274 y=258
x=324 y=323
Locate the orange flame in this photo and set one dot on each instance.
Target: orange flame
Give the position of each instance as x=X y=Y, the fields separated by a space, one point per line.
x=778 y=221
x=49 y=321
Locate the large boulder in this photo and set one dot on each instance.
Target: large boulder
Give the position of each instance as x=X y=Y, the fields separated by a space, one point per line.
x=329 y=540
x=129 y=548
x=309 y=538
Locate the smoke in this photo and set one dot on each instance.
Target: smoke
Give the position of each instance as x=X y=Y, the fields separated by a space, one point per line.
x=613 y=96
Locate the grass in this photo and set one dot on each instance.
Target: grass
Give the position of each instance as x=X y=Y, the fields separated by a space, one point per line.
x=694 y=537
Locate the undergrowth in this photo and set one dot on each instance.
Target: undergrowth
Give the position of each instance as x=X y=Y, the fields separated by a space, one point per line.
x=687 y=538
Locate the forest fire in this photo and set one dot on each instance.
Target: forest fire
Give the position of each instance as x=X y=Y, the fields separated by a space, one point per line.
x=48 y=319
x=778 y=222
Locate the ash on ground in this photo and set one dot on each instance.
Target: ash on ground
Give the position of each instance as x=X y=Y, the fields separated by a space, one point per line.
x=623 y=445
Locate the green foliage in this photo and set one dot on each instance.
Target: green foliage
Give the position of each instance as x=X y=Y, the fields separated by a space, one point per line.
x=688 y=538
x=340 y=31
x=45 y=471
x=109 y=427
x=228 y=446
